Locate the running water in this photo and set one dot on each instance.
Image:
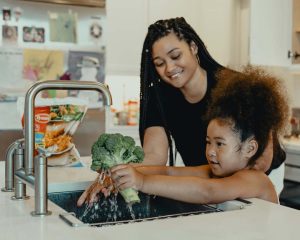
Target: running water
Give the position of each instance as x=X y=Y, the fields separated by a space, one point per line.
x=107 y=210
x=114 y=206
x=132 y=214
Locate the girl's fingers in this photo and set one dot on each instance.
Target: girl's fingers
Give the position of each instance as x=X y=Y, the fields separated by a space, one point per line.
x=118 y=167
x=93 y=194
x=122 y=171
x=105 y=192
x=124 y=182
x=82 y=198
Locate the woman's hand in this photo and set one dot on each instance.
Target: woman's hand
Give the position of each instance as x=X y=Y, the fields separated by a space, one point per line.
x=126 y=176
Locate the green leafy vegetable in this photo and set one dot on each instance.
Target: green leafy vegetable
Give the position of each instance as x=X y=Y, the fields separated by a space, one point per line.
x=113 y=149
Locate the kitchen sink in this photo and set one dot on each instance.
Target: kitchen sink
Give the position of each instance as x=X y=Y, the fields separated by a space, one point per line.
x=114 y=210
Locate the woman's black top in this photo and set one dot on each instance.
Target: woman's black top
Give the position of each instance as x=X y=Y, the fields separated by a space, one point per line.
x=186 y=122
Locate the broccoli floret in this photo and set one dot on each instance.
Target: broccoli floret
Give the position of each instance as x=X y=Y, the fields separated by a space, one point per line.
x=128 y=142
x=139 y=153
x=100 y=158
x=102 y=139
x=112 y=149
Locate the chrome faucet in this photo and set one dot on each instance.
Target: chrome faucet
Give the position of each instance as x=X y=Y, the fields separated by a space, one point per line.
x=38 y=177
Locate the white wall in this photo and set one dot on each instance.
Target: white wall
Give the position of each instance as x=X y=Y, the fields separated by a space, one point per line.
x=36 y=14
x=126 y=29
x=214 y=20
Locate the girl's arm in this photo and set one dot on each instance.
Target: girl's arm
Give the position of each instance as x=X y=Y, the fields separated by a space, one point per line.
x=243 y=184
x=199 y=171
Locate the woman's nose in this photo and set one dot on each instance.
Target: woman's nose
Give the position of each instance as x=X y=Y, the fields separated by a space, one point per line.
x=170 y=67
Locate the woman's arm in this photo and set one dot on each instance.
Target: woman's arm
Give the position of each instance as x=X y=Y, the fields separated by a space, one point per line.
x=155 y=146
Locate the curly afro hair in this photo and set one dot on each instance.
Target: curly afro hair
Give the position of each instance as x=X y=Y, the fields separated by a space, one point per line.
x=253 y=102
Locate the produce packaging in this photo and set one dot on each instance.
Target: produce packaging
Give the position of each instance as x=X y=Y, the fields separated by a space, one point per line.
x=55 y=122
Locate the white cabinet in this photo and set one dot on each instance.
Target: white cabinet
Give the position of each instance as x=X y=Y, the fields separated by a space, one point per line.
x=270 y=32
x=126 y=29
x=216 y=21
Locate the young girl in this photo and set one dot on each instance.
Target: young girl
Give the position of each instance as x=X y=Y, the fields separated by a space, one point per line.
x=245 y=108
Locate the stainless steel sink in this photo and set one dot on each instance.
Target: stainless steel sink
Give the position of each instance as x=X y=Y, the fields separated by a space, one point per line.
x=114 y=210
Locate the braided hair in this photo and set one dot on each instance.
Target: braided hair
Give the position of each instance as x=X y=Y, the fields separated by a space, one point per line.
x=254 y=104
x=149 y=77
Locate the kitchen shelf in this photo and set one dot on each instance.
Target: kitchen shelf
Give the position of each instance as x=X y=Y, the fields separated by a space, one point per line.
x=83 y=3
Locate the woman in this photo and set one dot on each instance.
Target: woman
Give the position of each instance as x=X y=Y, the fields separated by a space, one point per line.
x=177 y=77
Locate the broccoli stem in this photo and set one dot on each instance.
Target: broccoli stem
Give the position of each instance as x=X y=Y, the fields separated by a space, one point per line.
x=130 y=195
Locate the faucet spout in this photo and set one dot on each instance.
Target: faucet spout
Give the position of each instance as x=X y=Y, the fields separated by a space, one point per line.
x=29 y=109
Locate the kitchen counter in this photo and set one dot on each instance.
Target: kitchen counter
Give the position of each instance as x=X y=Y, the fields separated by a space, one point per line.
x=261 y=220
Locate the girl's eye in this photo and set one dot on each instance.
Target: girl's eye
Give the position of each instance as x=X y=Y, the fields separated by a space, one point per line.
x=207 y=142
x=219 y=144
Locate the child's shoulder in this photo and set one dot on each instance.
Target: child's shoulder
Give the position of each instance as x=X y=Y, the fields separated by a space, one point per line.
x=250 y=173
x=254 y=177
x=256 y=183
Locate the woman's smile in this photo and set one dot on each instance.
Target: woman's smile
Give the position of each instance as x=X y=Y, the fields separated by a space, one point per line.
x=175 y=75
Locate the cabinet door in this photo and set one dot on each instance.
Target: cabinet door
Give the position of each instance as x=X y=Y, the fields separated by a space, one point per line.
x=127 y=23
x=126 y=29
x=214 y=20
x=270 y=32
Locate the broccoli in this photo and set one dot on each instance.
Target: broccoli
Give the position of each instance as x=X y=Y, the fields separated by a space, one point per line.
x=113 y=149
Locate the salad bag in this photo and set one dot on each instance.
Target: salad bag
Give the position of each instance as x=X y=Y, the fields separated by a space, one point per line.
x=55 y=122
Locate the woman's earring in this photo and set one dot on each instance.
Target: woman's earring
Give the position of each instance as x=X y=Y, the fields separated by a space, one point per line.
x=198 y=60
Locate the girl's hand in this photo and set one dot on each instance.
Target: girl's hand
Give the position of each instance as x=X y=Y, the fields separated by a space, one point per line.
x=92 y=193
x=126 y=176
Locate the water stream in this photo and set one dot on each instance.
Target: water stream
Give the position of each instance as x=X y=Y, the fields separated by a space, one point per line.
x=115 y=210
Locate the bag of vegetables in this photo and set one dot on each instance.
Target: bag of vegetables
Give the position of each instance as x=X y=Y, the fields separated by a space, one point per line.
x=55 y=122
